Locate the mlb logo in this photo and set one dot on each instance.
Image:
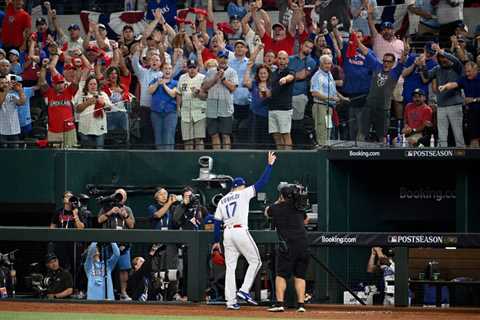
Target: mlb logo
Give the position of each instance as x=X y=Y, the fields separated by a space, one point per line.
x=409 y=153
x=392 y=239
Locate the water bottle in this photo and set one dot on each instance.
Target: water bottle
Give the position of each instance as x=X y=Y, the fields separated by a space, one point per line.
x=389 y=140
x=128 y=5
x=3 y=290
x=432 y=141
x=404 y=141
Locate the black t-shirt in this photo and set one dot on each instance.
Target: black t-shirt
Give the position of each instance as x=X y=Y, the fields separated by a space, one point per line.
x=59 y=281
x=64 y=218
x=137 y=283
x=281 y=98
x=289 y=222
x=184 y=213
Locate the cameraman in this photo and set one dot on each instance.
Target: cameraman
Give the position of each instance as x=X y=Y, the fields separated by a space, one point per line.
x=188 y=215
x=292 y=255
x=98 y=267
x=69 y=216
x=119 y=216
x=59 y=282
x=161 y=216
x=140 y=276
x=161 y=212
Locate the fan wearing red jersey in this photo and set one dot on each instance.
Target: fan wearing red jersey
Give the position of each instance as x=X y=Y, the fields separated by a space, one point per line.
x=61 y=123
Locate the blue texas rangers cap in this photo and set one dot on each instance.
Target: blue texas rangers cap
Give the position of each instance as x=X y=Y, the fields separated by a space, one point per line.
x=222 y=54
x=386 y=25
x=238 y=181
x=419 y=92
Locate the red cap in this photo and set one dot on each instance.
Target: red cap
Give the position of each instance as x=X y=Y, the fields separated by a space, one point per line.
x=225 y=27
x=184 y=21
x=199 y=11
x=57 y=78
x=182 y=13
x=94 y=48
x=77 y=62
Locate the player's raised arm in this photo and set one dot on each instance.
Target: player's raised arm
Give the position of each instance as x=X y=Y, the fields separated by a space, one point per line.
x=266 y=173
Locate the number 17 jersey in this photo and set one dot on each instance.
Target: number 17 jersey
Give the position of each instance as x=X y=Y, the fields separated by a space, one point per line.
x=234 y=207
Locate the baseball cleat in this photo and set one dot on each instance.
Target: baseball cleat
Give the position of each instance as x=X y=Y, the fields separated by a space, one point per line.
x=276 y=309
x=235 y=306
x=301 y=309
x=245 y=296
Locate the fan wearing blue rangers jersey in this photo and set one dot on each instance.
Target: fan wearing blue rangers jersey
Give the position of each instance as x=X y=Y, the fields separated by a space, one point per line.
x=233 y=210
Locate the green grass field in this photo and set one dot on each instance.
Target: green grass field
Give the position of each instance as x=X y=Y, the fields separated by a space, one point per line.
x=96 y=316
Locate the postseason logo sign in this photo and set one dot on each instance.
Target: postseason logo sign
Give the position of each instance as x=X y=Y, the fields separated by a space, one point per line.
x=415 y=239
x=434 y=153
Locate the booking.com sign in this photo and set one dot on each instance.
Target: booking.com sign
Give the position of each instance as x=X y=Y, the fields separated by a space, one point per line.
x=426 y=194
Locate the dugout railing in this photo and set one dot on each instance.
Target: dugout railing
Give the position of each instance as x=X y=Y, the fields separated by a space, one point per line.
x=198 y=243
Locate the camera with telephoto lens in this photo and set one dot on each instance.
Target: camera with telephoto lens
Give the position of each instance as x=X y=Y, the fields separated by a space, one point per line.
x=36 y=280
x=297 y=194
x=111 y=201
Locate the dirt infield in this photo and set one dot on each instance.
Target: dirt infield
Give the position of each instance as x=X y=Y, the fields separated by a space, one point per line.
x=330 y=312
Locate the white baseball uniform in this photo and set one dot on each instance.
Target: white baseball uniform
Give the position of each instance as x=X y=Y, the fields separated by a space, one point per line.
x=233 y=210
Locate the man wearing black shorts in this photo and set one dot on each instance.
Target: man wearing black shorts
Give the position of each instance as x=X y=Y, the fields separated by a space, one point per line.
x=293 y=255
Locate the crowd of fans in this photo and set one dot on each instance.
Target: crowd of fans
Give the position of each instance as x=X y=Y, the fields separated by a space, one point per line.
x=339 y=72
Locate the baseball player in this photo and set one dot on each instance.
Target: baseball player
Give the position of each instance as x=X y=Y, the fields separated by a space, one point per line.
x=233 y=210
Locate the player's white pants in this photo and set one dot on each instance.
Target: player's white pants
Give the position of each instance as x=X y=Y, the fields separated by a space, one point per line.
x=239 y=241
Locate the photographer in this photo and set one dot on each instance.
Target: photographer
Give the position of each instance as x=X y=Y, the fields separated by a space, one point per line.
x=140 y=276
x=72 y=215
x=69 y=216
x=292 y=255
x=188 y=215
x=161 y=212
x=95 y=266
x=59 y=283
x=116 y=215
x=161 y=215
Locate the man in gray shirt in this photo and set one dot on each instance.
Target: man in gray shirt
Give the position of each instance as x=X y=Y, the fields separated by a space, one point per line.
x=384 y=79
x=450 y=103
x=220 y=83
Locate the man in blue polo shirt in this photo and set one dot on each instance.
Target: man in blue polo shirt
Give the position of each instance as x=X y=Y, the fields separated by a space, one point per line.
x=164 y=109
x=470 y=83
x=241 y=96
x=304 y=66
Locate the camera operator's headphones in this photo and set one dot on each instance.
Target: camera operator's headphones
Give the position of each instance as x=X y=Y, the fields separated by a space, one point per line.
x=287 y=192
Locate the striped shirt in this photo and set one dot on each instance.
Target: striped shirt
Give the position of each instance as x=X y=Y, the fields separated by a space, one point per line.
x=382 y=46
x=220 y=99
x=9 y=123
